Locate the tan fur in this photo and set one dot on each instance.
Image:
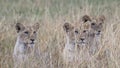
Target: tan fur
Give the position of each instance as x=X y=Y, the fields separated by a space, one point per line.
x=25 y=42
x=95 y=26
x=97 y=30
x=76 y=37
x=96 y=23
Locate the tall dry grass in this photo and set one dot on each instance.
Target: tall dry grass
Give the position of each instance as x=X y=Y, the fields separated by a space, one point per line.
x=51 y=14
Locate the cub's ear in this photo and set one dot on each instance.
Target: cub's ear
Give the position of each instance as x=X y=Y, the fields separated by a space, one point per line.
x=36 y=26
x=67 y=27
x=19 y=27
x=102 y=18
x=86 y=18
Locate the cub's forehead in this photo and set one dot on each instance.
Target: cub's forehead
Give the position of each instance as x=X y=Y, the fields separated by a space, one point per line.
x=82 y=26
x=77 y=26
x=29 y=28
x=96 y=20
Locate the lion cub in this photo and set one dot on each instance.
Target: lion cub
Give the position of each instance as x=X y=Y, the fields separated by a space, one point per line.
x=95 y=36
x=25 y=42
x=96 y=30
x=76 y=37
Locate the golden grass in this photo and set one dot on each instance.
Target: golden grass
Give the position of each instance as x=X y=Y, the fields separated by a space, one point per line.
x=51 y=15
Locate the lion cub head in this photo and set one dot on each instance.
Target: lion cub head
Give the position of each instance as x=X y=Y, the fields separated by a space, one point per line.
x=96 y=24
x=76 y=34
x=27 y=34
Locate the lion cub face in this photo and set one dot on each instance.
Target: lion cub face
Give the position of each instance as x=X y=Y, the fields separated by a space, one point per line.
x=76 y=34
x=96 y=24
x=27 y=34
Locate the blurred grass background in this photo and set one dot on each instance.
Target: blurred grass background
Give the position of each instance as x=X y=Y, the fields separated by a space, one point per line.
x=51 y=15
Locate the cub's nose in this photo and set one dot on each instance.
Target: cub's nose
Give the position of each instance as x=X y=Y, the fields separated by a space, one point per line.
x=99 y=31
x=81 y=39
x=32 y=40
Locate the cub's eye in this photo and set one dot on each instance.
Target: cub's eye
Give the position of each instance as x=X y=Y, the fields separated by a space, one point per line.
x=100 y=24
x=34 y=32
x=26 y=32
x=76 y=31
x=84 y=31
x=92 y=23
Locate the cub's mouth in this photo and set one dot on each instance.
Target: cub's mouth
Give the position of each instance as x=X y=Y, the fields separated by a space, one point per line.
x=82 y=42
x=98 y=33
x=32 y=43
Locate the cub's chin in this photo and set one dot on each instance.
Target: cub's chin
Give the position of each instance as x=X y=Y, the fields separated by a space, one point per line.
x=31 y=45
